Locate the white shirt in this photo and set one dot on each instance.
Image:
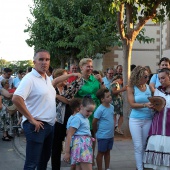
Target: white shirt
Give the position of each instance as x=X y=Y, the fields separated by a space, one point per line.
x=10 y=80
x=39 y=97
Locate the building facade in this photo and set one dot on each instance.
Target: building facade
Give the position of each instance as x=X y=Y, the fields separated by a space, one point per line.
x=142 y=54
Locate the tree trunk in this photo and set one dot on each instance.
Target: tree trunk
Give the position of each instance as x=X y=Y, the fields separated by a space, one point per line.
x=127 y=53
x=62 y=60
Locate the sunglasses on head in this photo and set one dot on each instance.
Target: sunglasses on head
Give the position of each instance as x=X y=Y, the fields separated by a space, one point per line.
x=163 y=70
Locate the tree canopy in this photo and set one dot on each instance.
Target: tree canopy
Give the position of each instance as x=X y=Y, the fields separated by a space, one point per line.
x=16 y=65
x=71 y=28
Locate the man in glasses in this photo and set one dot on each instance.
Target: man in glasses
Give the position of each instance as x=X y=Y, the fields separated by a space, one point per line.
x=109 y=77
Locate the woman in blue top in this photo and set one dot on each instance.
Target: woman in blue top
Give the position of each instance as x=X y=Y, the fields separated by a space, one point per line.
x=141 y=116
x=154 y=82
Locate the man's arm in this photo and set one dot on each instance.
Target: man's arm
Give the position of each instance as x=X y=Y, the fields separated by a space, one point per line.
x=19 y=102
x=62 y=99
x=6 y=93
x=64 y=77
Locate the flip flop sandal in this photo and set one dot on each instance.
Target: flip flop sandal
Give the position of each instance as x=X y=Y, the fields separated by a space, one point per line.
x=10 y=137
x=5 y=138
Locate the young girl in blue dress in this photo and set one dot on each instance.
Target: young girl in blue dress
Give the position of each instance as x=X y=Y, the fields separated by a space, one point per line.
x=81 y=151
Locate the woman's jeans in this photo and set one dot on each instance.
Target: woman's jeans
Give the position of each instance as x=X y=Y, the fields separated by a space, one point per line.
x=139 y=129
x=38 y=148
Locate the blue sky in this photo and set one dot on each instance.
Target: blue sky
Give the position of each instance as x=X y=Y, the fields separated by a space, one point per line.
x=13 y=21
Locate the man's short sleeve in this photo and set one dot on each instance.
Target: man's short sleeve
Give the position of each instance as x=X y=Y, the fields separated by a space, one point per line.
x=24 y=88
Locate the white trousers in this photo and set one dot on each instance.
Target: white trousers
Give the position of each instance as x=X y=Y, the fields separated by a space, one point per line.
x=139 y=129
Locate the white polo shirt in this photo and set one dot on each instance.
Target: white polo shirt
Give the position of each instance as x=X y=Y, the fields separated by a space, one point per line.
x=39 y=96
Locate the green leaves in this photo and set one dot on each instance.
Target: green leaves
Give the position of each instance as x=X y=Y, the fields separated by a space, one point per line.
x=72 y=28
x=145 y=39
x=17 y=65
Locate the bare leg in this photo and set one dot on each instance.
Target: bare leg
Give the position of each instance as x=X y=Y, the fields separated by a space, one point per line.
x=77 y=167
x=115 y=119
x=85 y=166
x=120 y=121
x=73 y=167
x=5 y=133
x=99 y=160
x=107 y=159
x=93 y=146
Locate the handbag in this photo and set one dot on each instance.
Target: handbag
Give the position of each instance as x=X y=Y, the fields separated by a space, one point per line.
x=11 y=109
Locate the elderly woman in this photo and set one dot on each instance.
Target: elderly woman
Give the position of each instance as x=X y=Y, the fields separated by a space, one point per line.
x=90 y=83
x=86 y=84
x=141 y=114
x=157 y=153
x=4 y=115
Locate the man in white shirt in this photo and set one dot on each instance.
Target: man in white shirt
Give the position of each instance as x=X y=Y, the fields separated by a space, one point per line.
x=7 y=72
x=35 y=99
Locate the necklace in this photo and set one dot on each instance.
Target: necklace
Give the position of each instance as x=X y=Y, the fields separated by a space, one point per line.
x=141 y=86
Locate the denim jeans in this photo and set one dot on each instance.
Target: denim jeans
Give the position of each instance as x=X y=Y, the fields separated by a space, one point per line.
x=139 y=129
x=38 y=148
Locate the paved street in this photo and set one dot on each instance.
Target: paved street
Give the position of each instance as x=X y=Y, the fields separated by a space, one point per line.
x=12 y=154
x=122 y=156
x=9 y=159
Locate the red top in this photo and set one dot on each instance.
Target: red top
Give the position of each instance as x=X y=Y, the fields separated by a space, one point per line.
x=11 y=90
x=71 y=79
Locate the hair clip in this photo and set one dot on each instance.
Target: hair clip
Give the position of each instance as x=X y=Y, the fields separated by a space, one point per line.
x=88 y=96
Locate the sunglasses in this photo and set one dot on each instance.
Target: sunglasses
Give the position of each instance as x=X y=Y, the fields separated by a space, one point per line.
x=146 y=77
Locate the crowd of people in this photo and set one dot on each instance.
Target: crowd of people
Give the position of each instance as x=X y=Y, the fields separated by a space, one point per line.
x=84 y=107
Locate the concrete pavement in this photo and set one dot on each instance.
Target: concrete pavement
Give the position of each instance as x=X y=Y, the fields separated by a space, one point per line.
x=9 y=159
x=122 y=154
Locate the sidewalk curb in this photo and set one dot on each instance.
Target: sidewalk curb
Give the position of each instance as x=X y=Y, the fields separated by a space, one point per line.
x=20 y=151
